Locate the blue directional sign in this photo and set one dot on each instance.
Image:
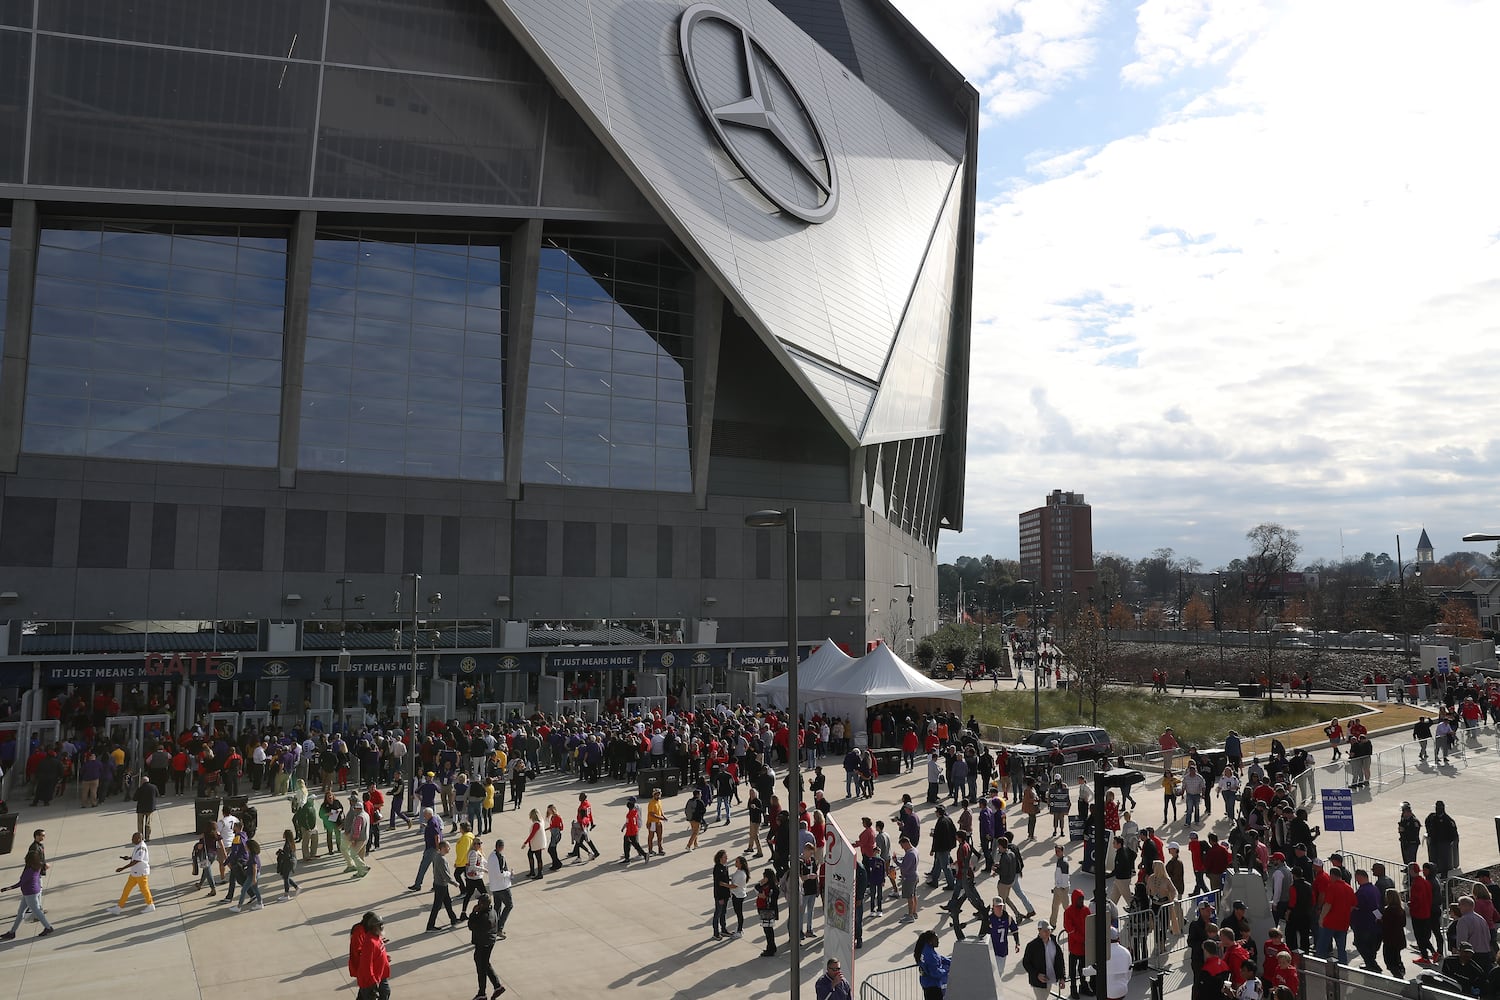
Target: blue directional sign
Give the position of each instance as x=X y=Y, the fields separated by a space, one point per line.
x=1338 y=810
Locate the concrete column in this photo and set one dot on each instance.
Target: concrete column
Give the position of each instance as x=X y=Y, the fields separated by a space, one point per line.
x=525 y=257
x=299 y=256
x=17 y=344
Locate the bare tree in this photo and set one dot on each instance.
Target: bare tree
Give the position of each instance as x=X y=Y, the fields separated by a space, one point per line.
x=1086 y=646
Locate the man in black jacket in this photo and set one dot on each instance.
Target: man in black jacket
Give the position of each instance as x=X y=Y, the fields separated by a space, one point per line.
x=944 y=839
x=1197 y=934
x=1043 y=961
x=1409 y=833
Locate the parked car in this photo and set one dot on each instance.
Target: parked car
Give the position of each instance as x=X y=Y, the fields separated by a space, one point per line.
x=1076 y=742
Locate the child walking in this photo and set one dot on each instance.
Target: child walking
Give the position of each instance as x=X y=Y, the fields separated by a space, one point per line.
x=286 y=865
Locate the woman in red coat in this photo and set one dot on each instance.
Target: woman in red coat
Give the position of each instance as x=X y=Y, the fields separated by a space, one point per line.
x=369 y=965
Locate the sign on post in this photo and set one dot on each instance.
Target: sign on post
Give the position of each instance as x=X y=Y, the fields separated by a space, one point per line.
x=1444 y=663
x=1338 y=810
x=839 y=900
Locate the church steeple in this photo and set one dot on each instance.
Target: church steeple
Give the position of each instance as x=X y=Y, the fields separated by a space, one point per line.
x=1424 y=549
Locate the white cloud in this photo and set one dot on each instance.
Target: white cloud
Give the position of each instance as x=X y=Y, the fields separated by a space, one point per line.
x=1018 y=53
x=1280 y=304
x=1173 y=35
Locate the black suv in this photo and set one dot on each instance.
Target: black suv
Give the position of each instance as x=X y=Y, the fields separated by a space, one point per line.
x=1076 y=743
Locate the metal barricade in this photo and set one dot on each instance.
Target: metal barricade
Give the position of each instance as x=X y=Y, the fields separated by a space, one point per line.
x=897 y=984
x=1328 y=979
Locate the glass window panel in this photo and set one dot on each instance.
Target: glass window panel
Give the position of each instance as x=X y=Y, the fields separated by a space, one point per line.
x=598 y=369
x=403 y=298
x=130 y=117
x=282 y=28
x=395 y=136
x=57 y=411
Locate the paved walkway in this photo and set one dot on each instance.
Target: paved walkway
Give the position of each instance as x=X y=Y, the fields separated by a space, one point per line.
x=639 y=932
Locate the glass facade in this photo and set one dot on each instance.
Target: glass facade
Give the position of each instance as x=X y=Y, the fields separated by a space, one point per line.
x=405 y=137
x=405 y=348
x=157 y=342
x=127 y=116
x=15 y=73
x=287 y=29
x=607 y=401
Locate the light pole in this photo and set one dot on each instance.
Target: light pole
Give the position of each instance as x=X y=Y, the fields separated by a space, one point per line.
x=1036 y=689
x=788 y=519
x=343 y=585
x=413 y=697
x=1218 y=622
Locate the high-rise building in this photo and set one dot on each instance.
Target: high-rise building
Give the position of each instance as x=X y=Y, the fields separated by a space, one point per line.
x=1057 y=545
x=536 y=298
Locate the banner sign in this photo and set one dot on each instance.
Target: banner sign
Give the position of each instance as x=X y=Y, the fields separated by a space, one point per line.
x=666 y=659
x=1338 y=810
x=594 y=659
x=839 y=902
x=755 y=657
x=151 y=667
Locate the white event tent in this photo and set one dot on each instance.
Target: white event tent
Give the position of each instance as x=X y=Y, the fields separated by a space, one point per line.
x=830 y=682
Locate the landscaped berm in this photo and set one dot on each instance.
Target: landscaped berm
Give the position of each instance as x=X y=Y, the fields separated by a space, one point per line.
x=1136 y=717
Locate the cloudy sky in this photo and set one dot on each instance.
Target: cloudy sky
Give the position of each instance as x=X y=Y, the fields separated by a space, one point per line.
x=1237 y=262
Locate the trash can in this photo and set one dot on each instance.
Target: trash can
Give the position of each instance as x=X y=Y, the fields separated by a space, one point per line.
x=1250 y=691
x=205 y=813
x=8 y=832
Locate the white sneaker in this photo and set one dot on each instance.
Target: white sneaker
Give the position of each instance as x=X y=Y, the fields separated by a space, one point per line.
x=234 y=909
x=282 y=898
x=114 y=909
x=150 y=908
x=257 y=905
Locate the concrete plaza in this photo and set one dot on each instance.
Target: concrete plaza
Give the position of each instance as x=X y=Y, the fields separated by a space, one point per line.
x=638 y=931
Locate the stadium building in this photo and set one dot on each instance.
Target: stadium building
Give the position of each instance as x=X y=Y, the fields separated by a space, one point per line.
x=536 y=298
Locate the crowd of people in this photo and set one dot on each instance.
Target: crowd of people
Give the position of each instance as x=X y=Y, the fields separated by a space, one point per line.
x=344 y=790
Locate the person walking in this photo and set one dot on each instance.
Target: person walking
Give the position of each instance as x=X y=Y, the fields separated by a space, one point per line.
x=475 y=878
x=145 y=808
x=583 y=825
x=442 y=878
x=138 y=864
x=30 y=884
x=1393 y=933
x=554 y=836
x=533 y=845
x=369 y=965
x=656 y=816
x=251 y=885
x=286 y=866
x=482 y=935
x=432 y=838
x=932 y=968
x=767 y=892
x=807 y=874
x=1042 y=961
x=632 y=830
x=500 y=882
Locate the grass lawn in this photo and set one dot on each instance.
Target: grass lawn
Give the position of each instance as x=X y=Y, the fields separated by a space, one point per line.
x=1138 y=717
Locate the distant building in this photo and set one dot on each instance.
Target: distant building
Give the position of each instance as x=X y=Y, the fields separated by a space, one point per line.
x=1057 y=544
x=1424 y=550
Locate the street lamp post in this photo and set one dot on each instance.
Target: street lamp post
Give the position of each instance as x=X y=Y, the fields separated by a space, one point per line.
x=413 y=697
x=1218 y=621
x=788 y=519
x=1036 y=688
x=343 y=670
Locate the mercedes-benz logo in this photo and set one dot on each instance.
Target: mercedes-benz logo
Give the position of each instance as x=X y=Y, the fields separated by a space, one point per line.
x=762 y=120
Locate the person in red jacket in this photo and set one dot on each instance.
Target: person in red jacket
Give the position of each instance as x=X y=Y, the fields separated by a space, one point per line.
x=369 y=965
x=1285 y=973
x=1075 y=928
x=1423 y=916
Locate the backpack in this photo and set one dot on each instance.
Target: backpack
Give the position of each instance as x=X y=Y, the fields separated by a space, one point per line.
x=286 y=862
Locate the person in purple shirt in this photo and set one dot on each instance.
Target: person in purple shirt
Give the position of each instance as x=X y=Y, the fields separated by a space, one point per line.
x=30 y=884
x=89 y=773
x=1364 y=922
x=432 y=836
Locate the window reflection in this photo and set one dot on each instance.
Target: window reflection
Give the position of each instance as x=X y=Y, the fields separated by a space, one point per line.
x=608 y=389
x=404 y=345
x=4 y=281
x=157 y=342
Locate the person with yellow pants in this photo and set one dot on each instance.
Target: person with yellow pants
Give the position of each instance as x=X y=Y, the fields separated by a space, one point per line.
x=139 y=866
